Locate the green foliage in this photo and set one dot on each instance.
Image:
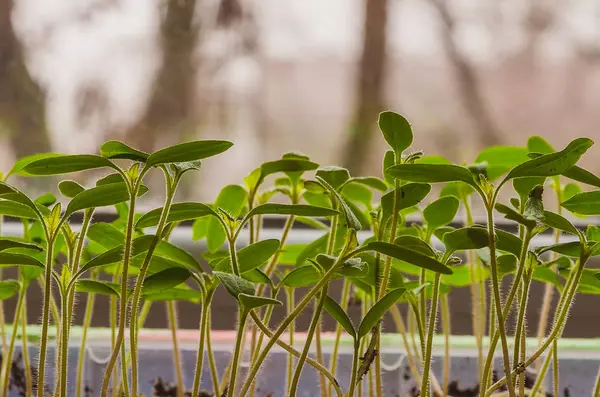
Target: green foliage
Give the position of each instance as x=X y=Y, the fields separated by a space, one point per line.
x=441 y=212
x=396 y=130
x=187 y=152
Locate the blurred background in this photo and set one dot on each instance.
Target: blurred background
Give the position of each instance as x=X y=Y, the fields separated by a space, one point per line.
x=294 y=75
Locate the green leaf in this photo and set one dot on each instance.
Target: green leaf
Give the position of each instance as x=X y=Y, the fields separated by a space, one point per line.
x=356 y=193
x=431 y=173
x=389 y=159
x=407 y=196
x=441 y=212
x=586 y=203
x=570 y=190
x=119 y=150
x=7 y=259
x=200 y=228
x=8 y=288
x=302 y=276
x=257 y=276
x=179 y=293
x=537 y=144
x=70 y=189
x=291 y=209
x=407 y=255
x=376 y=313
x=334 y=176
x=17 y=210
x=370 y=181
x=285 y=165
x=351 y=219
x=508 y=242
x=252 y=301
x=592 y=233
x=581 y=175
x=513 y=215
x=164 y=280
x=110 y=178
x=140 y=244
x=231 y=199
x=106 y=235
x=235 y=285
x=524 y=186
x=572 y=249
x=501 y=159
x=396 y=131
x=65 y=164
x=464 y=275
x=17 y=168
x=415 y=244
x=336 y=311
x=353 y=267
x=45 y=200
x=553 y=163
x=559 y=222
x=98 y=287
x=8 y=243
x=178 y=255
x=311 y=250
x=250 y=257
x=189 y=151
x=177 y=213
x=100 y=196
x=466 y=238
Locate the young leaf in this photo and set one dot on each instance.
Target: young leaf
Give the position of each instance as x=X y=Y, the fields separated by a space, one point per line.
x=66 y=164
x=179 y=293
x=17 y=210
x=466 y=238
x=441 y=212
x=335 y=176
x=98 y=287
x=336 y=311
x=553 y=163
x=17 y=168
x=376 y=313
x=407 y=255
x=500 y=159
x=508 y=242
x=110 y=178
x=431 y=173
x=235 y=285
x=8 y=243
x=250 y=257
x=177 y=213
x=415 y=244
x=257 y=276
x=100 y=196
x=291 y=209
x=537 y=144
x=311 y=250
x=302 y=276
x=106 y=235
x=186 y=152
x=70 y=189
x=7 y=259
x=369 y=181
x=587 y=203
x=524 y=186
x=389 y=159
x=396 y=130
x=513 y=215
x=559 y=222
x=164 y=280
x=351 y=219
x=178 y=255
x=119 y=150
x=140 y=244
x=8 y=288
x=231 y=199
x=407 y=196
x=45 y=200
x=285 y=165
x=252 y=301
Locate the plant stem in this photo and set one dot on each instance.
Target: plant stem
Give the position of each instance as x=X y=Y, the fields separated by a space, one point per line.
x=286 y=322
x=7 y=361
x=64 y=349
x=26 y=361
x=597 y=387
x=171 y=186
x=446 y=330
x=237 y=352
x=355 y=356
x=266 y=319
x=412 y=330
x=123 y=296
x=425 y=391
x=541 y=375
x=290 y=362
x=309 y=337
x=338 y=332
x=520 y=329
x=203 y=335
x=87 y=319
x=211 y=359
x=555 y=365
x=172 y=316
x=45 y=315
x=401 y=328
x=559 y=323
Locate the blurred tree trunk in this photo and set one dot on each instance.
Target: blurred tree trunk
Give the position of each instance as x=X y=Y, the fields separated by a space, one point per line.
x=468 y=83
x=22 y=102
x=170 y=108
x=369 y=86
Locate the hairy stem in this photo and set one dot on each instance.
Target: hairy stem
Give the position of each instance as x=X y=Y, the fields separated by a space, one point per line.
x=172 y=317
x=555 y=366
x=425 y=391
x=45 y=316
x=290 y=362
x=338 y=332
x=309 y=337
x=541 y=375
x=597 y=386
x=203 y=336
x=446 y=329
x=237 y=353
x=87 y=320
x=355 y=356
x=520 y=329
x=7 y=360
x=401 y=328
x=26 y=361
x=211 y=359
